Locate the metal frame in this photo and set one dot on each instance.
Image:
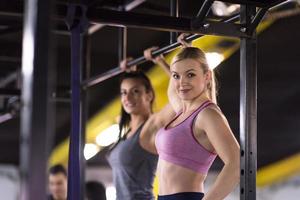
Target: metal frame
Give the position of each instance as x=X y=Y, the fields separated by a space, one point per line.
x=248 y=104
x=163 y=23
x=36 y=130
x=79 y=70
x=202 y=13
x=248 y=109
x=174 y=12
x=85 y=73
x=115 y=71
x=257 y=3
x=122 y=41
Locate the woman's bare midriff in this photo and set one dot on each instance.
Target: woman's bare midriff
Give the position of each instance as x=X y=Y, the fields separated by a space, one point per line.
x=174 y=179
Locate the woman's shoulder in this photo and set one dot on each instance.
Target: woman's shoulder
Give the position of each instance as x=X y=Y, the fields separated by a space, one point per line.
x=210 y=113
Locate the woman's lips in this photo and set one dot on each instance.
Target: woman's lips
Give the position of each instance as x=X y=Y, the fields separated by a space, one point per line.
x=184 y=91
x=130 y=105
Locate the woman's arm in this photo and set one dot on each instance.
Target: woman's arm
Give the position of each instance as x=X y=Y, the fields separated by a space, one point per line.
x=160 y=119
x=152 y=125
x=159 y=60
x=215 y=125
x=174 y=100
x=124 y=67
x=182 y=41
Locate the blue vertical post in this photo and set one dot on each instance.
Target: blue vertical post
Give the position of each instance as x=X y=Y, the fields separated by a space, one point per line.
x=76 y=147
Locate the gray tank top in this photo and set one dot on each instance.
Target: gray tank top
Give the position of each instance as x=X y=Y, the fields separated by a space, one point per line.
x=133 y=169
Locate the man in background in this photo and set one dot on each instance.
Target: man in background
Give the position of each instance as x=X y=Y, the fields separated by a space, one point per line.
x=58 y=183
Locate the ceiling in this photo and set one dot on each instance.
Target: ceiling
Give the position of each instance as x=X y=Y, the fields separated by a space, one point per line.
x=278 y=76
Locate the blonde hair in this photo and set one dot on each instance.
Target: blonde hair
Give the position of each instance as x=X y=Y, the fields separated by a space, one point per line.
x=199 y=55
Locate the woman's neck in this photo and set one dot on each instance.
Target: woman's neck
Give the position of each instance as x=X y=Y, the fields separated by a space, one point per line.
x=191 y=105
x=137 y=120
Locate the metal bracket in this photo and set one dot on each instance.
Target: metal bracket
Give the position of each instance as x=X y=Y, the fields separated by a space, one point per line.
x=197 y=22
x=72 y=20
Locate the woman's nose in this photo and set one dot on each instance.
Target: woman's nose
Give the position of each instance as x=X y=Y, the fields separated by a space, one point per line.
x=182 y=80
x=127 y=96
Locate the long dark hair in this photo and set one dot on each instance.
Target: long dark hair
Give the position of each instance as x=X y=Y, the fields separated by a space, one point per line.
x=145 y=81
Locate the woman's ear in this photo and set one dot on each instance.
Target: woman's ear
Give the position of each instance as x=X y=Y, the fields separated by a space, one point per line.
x=150 y=96
x=208 y=75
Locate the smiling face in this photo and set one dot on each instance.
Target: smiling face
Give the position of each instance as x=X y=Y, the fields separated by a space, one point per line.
x=134 y=97
x=189 y=79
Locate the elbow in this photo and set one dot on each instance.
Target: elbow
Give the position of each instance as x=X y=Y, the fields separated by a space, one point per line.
x=233 y=166
x=236 y=169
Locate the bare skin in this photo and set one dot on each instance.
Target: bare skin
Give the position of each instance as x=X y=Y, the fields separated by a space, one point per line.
x=136 y=102
x=187 y=91
x=211 y=130
x=143 y=114
x=58 y=186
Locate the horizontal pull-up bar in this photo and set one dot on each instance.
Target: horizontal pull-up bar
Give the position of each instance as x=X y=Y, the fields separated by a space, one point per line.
x=116 y=71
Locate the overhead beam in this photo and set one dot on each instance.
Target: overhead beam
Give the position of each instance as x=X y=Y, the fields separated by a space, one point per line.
x=162 y=23
x=127 y=7
x=257 y=3
x=101 y=17
x=12 y=9
x=16 y=10
x=166 y=49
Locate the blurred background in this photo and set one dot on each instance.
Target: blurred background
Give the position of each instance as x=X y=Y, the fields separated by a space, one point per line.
x=278 y=100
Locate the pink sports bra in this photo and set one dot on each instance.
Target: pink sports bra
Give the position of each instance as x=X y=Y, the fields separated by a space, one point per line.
x=179 y=146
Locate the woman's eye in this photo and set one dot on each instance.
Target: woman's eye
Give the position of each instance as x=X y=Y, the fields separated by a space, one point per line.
x=190 y=75
x=175 y=76
x=136 y=91
x=122 y=93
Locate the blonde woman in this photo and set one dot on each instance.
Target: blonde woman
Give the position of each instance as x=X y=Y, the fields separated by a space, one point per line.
x=188 y=143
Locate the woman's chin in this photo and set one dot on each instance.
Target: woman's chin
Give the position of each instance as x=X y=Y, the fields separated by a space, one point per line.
x=188 y=97
x=129 y=110
x=133 y=111
x=185 y=97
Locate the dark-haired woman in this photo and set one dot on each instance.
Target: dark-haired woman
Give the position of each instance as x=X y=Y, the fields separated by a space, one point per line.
x=133 y=160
